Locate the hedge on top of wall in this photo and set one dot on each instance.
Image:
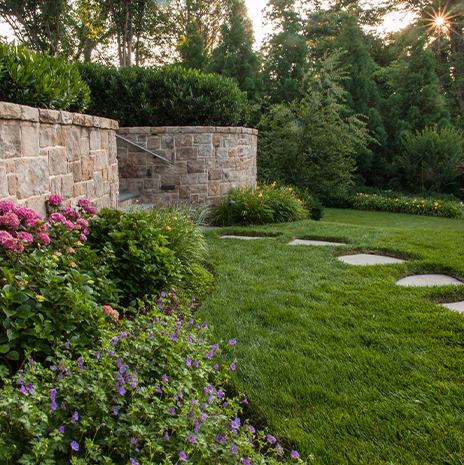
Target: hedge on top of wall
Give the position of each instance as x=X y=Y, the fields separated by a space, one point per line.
x=40 y=80
x=167 y=96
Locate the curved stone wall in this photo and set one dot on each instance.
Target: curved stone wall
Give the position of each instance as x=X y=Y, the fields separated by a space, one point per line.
x=205 y=162
x=49 y=151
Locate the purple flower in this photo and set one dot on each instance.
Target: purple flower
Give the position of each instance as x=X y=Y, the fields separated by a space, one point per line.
x=133 y=440
x=133 y=461
x=6 y=206
x=220 y=394
x=192 y=438
x=53 y=405
x=61 y=429
x=166 y=437
x=172 y=411
x=98 y=355
x=294 y=454
x=233 y=366
x=121 y=390
x=75 y=446
x=44 y=238
x=235 y=424
x=246 y=461
x=189 y=362
x=80 y=363
x=165 y=378
x=271 y=439
x=174 y=337
x=115 y=411
x=221 y=439
x=232 y=342
x=183 y=456
x=234 y=448
x=75 y=417
x=55 y=200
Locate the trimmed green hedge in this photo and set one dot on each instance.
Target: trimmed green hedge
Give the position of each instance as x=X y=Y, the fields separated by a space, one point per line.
x=168 y=96
x=40 y=80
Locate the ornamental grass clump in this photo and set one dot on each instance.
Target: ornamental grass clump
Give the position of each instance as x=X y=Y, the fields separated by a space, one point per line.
x=261 y=205
x=152 y=391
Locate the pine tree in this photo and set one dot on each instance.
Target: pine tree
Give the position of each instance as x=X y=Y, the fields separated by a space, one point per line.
x=192 y=48
x=234 y=56
x=285 y=53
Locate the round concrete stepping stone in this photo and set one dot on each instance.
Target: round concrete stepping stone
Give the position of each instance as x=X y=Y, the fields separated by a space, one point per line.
x=429 y=280
x=365 y=259
x=244 y=238
x=316 y=243
x=456 y=307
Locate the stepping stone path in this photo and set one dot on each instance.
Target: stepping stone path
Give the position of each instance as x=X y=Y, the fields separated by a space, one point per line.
x=316 y=243
x=244 y=238
x=456 y=307
x=364 y=259
x=429 y=280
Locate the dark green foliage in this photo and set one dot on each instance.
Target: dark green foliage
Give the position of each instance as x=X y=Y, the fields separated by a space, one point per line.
x=234 y=56
x=164 y=96
x=263 y=205
x=312 y=143
x=37 y=79
x=311 y=203
x=135 y=251
x=432 y=160
x=192 y=48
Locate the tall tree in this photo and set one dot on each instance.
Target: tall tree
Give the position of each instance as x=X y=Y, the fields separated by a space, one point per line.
x=234 y=56
x=192 y=48
x=40 y=24
x=285 y=52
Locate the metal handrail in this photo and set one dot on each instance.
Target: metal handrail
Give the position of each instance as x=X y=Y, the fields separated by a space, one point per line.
x=141 y=147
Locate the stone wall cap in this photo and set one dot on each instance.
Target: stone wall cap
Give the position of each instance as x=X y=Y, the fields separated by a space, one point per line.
x=15 y=111
x=187 y=130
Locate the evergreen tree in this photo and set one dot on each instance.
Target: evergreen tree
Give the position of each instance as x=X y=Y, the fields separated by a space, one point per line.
x=285 y=53
x=234 y=56
x=192 y=48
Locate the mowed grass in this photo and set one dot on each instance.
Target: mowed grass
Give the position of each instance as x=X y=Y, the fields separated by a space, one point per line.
x=338 y=361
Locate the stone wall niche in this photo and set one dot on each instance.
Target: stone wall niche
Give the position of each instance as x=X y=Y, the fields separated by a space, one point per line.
x=206 y=162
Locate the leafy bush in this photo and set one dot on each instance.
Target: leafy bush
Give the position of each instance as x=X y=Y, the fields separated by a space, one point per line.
x=168 y=96
x=432 y=160
x=135 y=251
x=314 y=207
x=37 y=79
x=44 y=296
x=411 y=205
x=152 y=392
x=312 y=143
x=265 y=204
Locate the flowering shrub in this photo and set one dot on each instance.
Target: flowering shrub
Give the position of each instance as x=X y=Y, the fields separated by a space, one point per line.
x=47 y=283
x=152 y=392
x=265 y=204
x=411 y=205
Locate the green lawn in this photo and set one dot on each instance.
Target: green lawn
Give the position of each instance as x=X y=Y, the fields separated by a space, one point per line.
x=339 y=361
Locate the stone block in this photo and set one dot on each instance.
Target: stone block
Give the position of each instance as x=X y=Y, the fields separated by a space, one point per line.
x=32 y=176
x=37 y=203
x=29 y=114
x=75 y=168
x=95 y=140
x=3 y=180
x=10 y=139
x=184 y=140
x=214 y=189
x=203 y=139
x=79 y=189
x=57 y=160
x=73 y=144
x=85 y=143
x=104 y=139
x=55 y=185
x=67 y=184
x=66 y=118
x=101 y=159
x=90 y=189
x=153 y=142
x=12 y=180
x=167 y=142
x=87 y=168
x=215 y=174
x=186 y=153
x=98 y=183
x=29 y=139
x=195 y=166
x=49 y=116
x=10 y=111
x=205 y=150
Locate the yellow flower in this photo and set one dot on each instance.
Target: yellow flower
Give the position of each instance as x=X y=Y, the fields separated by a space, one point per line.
x=260 y=194
x=168 y=229
x=40 y=298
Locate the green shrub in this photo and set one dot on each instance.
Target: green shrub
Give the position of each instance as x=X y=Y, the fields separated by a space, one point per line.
x=314 y=207
x=168 y=96
x=263 y=205
x=40 y=80
x=152 y=392
x=136 y=251
x=432 y=160
x=46 y=297
x=411 y=205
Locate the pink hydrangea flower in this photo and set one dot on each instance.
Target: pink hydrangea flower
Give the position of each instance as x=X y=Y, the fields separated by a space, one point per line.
x=28 y=216
x=83 y=223
x=44 y=238
x=57 y=218
x=55 y=200
x=70 y=213
x=87 y=206
x=83 y=238
x=10 y=220
x=70 y=226
x=7 y=241
x=6 y=206
x=26 y=237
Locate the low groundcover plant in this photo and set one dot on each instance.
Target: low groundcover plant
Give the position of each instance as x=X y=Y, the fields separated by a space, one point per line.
x=152 y=392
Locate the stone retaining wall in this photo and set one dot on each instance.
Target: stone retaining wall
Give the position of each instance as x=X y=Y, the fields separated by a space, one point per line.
x=49 y=151
x=206 y=162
